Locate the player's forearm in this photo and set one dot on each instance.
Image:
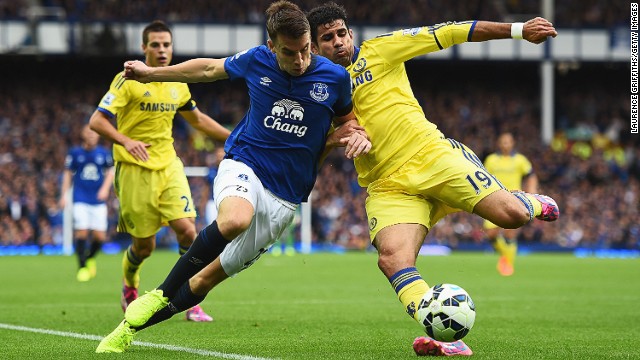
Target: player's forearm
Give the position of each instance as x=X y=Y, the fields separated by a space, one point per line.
x=66 y=183
x=535 y=31
x=100 y=124
x=190 y=71
x=108 y=180
x=203 y=122
x=212 y=128
x=488 y=30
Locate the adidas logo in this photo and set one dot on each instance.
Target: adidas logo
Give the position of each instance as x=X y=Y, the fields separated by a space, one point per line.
x=147 y=94
x=265 y=81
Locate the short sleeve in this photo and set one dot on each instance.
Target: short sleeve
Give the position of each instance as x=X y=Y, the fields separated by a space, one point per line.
x=68 y=161
x=236 y=66
x=344 y=104
x=116 y=98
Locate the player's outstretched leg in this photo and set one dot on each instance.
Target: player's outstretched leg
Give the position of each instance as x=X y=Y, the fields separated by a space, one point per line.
x=118 y=340
x=144 y=307
x=197 y=314
x=550 y=210
x=542 y=207
x=426 y=346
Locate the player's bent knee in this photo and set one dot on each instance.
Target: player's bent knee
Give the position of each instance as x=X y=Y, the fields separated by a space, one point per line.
x=143 y=252
x=231 y=227
x=390 y=264
x=187 y=237
x=513 y=220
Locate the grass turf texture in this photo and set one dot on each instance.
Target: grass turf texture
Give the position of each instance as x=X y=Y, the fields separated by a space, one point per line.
x=329 y=306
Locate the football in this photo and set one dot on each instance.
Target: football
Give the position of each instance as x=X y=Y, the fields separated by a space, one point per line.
x=447 y=312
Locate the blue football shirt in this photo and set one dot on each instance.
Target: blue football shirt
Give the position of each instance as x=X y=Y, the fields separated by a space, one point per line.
x=88 y=168
x=283 y=134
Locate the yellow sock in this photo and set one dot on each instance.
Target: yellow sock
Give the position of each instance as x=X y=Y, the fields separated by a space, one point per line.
x=511 y=250
x=500 y=245
x=410 y=288
x=537 y=206
x=131 y=268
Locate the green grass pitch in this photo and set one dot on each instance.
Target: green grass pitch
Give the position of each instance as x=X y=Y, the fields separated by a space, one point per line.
x=329 y=306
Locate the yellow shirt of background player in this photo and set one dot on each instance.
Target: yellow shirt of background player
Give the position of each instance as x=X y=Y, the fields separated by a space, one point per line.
x=379 y=80
x=145 y=112
x=510 y=170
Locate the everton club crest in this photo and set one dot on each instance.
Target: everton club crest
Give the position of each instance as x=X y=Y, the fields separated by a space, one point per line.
x=320 y=92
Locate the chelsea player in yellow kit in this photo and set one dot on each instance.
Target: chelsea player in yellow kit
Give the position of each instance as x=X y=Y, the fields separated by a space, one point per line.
x=515 y=172
x=150 y=182
x=413 y=174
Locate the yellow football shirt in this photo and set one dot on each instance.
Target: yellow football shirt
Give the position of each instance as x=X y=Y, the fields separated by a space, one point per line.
x=383 y=100
x=145 y=112
x=510 y=170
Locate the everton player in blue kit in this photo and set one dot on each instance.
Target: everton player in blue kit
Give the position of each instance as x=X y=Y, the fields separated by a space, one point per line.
x=271 y=163
x=88 y=167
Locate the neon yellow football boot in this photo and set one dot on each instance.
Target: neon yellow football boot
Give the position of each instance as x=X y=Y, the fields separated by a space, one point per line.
x=143 y=308
x=92 y=266
x=83 y=274
x=118 y=341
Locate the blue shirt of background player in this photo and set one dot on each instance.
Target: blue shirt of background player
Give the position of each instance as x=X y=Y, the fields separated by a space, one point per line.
x=88 y=167
x=283 y=134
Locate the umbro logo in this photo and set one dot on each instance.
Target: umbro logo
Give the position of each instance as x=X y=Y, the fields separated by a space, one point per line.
x=196 y=261
x=265 y=81
x=147 y=94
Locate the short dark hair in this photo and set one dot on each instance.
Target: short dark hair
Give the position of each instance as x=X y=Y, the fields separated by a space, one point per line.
x=155 y=26
x=325 y=14
x=286 y=18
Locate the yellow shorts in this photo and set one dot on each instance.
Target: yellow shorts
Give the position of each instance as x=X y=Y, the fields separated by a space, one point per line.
x=149 y=199
x=442 y=178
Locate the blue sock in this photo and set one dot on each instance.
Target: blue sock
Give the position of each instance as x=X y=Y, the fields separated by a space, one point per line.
x=94 y=248
x=207 y=246
x=81 y=251
x=183 y=300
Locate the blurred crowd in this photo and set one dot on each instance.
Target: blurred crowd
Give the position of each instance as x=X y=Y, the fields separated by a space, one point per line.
x=568 y=13
x=591 y=167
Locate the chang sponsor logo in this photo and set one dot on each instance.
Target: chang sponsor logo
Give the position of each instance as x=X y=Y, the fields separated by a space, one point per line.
x=286 y=109
x=360 y=79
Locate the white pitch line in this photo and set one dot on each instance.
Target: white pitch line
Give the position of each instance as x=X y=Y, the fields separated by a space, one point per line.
x=139 y=343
